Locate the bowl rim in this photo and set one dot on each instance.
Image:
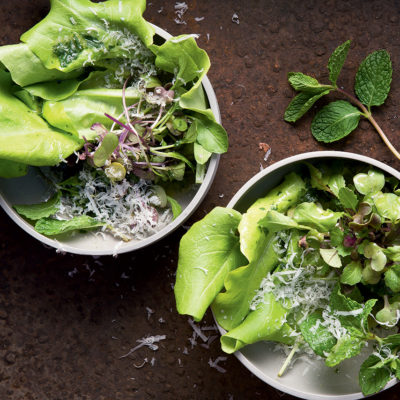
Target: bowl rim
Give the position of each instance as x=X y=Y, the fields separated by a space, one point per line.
x=186 y=213
x=242 y=192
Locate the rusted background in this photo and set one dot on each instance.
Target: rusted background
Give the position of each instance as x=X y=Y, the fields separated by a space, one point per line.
x=65 y=320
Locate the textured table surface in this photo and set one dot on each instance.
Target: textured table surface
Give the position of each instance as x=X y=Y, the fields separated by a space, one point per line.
x=65 y=320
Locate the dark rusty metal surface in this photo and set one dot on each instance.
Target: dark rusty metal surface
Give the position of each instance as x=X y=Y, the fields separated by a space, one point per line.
x=65 y=320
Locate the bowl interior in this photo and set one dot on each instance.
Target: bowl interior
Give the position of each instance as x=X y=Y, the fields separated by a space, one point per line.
x=32 y=188
x=307 y=378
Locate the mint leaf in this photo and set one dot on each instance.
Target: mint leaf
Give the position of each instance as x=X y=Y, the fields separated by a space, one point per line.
x=335 y=121
x=346 y=347
x=305 y=83
x=301 y=104
x=50 y=227
x=352 y=273
x=336 y=61
x=373 y=376
x=41 y=210
x=392 y=340
x=373 y=78
x=316 y=335
x=347 y=198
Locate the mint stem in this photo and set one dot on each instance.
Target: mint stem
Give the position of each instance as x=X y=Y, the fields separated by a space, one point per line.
x=367 y=114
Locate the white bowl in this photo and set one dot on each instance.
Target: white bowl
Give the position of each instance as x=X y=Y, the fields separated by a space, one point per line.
x=308 y=379
x=32 y=189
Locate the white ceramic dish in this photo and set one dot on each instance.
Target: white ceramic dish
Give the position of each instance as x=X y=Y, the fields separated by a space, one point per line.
x=32 y=189
x=308 y=379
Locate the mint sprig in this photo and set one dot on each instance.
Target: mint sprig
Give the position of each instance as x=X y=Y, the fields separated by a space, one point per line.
x=338 y=119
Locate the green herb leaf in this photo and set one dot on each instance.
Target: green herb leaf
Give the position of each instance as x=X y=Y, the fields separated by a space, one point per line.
x=346 y=347
x=175 y=207
x=106 y=148
x=41 y=210
x=316 y=335
x=50 y=227
x=336 y=61
x=373 y=78
x=305 y=83
x=372 y=379
x=352 y=273
x=347 y=198
x=301 y=104
x=335 y=121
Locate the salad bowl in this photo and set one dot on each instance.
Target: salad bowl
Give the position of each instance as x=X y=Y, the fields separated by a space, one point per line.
x=32 y=189
x=307 y=378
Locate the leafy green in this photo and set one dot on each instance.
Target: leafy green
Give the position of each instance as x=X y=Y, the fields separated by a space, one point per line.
x=211 y=135
x=40 y=210
x=305 y=83
x=373 y=78
x=61 y=40
x=27 y=69
x=106 y=148
x=336 y=61
x=388 y=206
x=301 y=104
x=374 y=375
x=392 y=253
x=201 y=155
x=79 y=112
x=370 y=183
x=352 y=273
x=317 y=335
x=392 y=278
x=267 y=322
x=335 y=121
x=51 y=227
x=25 y=137
x=348 y=198
x=175 y=207
x=346 y=347
x=11 y=169
x=275 y=222
x=331 y=257
x=311 y=214
x=181 y=56
x=207 y=252
x=232 y=306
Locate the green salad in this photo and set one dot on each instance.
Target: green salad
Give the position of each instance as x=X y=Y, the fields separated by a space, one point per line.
x=118 y=112
x=313 y=265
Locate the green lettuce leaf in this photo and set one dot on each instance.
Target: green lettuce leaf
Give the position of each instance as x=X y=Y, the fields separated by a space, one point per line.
x=207 y=252
x=25 y=137
x=10 y=169
x=51 y=227
x=63 y=41
x=267 y=322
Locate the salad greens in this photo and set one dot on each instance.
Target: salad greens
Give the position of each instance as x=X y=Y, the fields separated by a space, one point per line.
x=339 y=118
x=88 y=85
x=313 y=265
